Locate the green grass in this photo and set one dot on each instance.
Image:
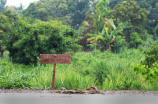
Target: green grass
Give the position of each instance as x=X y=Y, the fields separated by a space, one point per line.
x=105 y=70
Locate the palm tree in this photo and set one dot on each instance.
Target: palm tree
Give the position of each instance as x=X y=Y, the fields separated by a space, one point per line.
x=108 y=34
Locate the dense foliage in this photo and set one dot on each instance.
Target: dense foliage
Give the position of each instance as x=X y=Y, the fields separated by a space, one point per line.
x=151 y=55
x=110 y=34
x=130 y=11
x=70 y=12
x=135 y=40
x=2 y=5
x=100 y=13
x=26 y=41
x=65 y=26
x=149 y=5
x=105 y=70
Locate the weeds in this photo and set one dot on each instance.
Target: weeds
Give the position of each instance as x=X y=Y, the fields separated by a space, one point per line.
x=105 y=70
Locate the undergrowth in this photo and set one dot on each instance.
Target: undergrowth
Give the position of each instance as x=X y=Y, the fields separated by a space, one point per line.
x=105 y=70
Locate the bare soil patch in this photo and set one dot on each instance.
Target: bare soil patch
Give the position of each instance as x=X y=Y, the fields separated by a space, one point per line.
x=90 y=90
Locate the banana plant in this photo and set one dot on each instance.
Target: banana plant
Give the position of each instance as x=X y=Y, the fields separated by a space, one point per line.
x=108 y=34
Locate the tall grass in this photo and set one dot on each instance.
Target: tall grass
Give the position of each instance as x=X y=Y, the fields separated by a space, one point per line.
x=40 y=76
x=105 y=70
x=112 y=71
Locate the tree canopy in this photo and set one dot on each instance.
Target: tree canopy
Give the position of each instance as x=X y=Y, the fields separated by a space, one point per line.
x=70 y=12
x=135 y=15
x=2 y=5
x=33 y=39
x=58 y=26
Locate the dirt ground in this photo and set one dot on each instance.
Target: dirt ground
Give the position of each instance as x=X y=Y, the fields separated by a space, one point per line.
x=90 y=90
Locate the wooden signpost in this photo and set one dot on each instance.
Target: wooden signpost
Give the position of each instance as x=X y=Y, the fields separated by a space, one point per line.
x=55 y=59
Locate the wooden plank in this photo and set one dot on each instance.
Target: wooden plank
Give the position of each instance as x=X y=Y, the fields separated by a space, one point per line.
x=55 y=58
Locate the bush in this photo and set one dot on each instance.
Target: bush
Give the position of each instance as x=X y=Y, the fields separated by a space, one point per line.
x=26 y=41
x=119 y=44
x=150 y=74
x=9 y=82
x=151 y=56
x=34 y=41
x=135 y=40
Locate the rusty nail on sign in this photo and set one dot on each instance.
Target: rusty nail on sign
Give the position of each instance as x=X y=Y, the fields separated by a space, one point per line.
x=55 y=59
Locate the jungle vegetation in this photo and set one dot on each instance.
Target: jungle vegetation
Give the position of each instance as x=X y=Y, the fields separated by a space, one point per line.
x=113 y=44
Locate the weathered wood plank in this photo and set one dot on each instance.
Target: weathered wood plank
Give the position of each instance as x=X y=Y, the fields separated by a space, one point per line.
x=55 y=58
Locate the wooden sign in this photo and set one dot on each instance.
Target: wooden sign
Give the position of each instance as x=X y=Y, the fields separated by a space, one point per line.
x=55 y=59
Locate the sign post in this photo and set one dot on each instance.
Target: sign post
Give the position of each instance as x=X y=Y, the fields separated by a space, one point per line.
x=55 y=59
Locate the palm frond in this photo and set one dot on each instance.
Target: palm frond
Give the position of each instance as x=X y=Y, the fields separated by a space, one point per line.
x=112 y=40
x=92 y=35
x=112 y=24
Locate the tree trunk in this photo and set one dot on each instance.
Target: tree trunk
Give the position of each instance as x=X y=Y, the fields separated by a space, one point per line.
x=109 y=47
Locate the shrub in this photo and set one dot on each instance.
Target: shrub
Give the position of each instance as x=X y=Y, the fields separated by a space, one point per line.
x=150 y=74
x=26 y=41
x=151 y=56
x=135 y=40
x=119 y=44
x=33 y=41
